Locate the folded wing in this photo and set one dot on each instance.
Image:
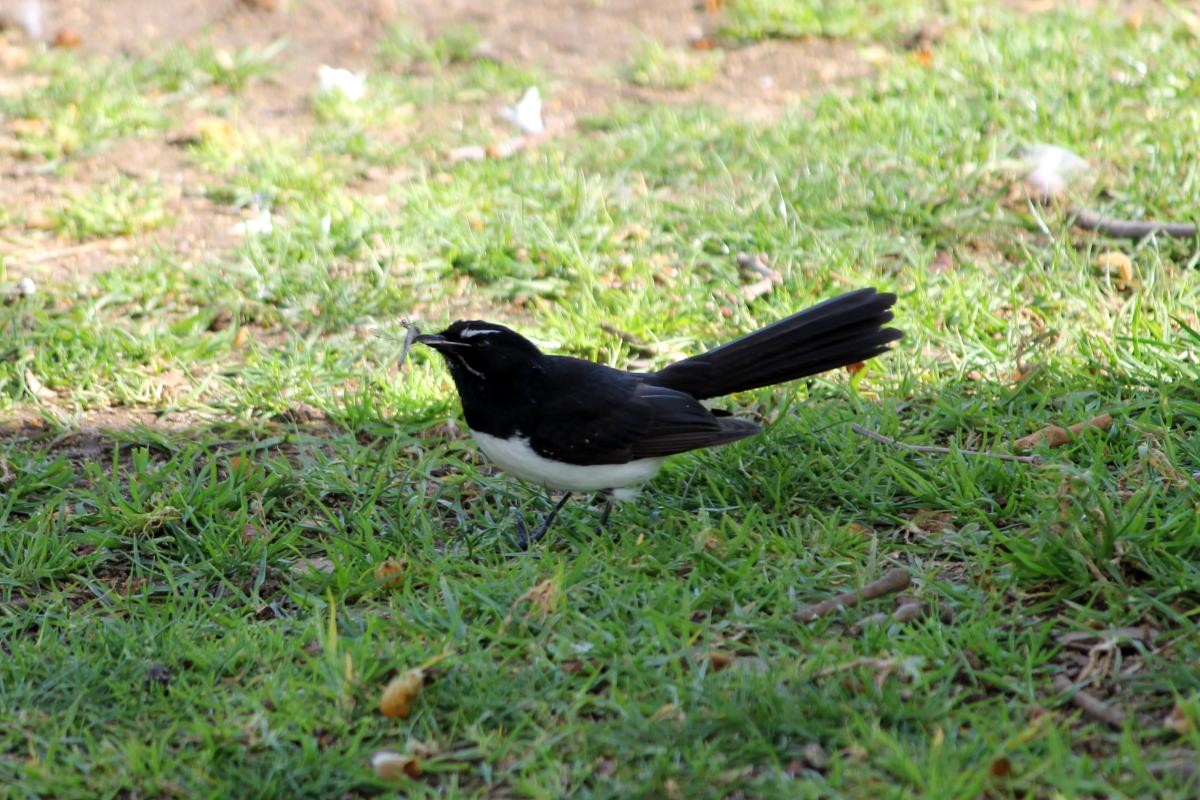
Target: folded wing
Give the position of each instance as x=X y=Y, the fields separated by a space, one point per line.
x=636 y=420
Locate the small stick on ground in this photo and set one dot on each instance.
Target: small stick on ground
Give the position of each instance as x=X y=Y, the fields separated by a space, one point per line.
x=508 y=147
x=922 y=448
x=896 y=580
x=634 y=343
x=34 y=256
x=1184 y=765
x=769 y=278
x=1086 y=640
x=1091 y=705
x=905 y=612
x=480 y=152
x=1128 y=228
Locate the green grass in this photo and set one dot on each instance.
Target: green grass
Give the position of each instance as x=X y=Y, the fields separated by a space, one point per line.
x=163 y=636
x=119 y=208
x=759 y=19
x=660 y=67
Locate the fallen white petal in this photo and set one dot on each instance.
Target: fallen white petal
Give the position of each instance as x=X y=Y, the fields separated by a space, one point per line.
x=527 y=113
x=256 y=226
x=31 y=19
x=1051 y=168
x=351 y=85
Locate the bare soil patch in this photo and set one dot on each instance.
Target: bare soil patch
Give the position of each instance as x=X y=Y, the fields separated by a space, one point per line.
x=582 y=46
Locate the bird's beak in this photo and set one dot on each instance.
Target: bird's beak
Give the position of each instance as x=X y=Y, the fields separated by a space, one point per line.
x=435 y=340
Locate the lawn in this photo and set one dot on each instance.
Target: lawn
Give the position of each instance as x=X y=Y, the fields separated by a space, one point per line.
x=228 y=520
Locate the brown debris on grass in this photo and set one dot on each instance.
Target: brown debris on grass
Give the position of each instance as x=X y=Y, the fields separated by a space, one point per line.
x=1117 y=228
x=768 y=278
x=1054 y=436
x=1091 y=705
x=921 y=448
x=896 y=580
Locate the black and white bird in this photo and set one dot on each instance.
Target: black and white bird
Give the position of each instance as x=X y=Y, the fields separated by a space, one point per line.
x=578 y=426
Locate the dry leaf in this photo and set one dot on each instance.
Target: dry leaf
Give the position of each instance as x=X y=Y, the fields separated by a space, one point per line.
x=215 y=130
x=942 y=261
x=312 y=566
x=717 y=659
x=391 y=572
x=856 y=367
x=28 y=126
x=37 y=388
x=1054 y=436
x=67 y=39
x=1000 y=767
x=815 y=755
x=544 y=596
x=392 y=766
x=397 y=698
x=1118 y=266
x=670 y=713
x=1178 y=720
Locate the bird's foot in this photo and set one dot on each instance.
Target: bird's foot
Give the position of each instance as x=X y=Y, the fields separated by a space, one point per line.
x=525 y=538
x=522 y=541
x=604 y=515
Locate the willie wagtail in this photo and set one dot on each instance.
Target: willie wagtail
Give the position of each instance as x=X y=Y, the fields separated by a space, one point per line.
x=577 y=426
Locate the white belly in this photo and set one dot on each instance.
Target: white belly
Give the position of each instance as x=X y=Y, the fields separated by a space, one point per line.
x=516 y=456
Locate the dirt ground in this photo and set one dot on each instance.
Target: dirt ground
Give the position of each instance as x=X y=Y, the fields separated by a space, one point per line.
x=580 y=44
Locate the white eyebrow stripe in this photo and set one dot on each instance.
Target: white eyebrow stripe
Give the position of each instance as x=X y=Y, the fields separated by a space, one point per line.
x=469 y=332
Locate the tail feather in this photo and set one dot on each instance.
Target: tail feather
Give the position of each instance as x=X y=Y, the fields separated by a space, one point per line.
x=840 y=331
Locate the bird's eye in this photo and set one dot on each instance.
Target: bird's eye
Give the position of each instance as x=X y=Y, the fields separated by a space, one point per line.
x=483 y=342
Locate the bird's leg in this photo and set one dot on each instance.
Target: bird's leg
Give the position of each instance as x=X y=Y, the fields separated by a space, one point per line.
x=608 y=507
x=524 y=538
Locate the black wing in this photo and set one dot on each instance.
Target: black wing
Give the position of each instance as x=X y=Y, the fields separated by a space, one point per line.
x=614 y=417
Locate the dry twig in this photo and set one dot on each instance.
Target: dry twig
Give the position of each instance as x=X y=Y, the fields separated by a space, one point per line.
x=896 y=580
x=769 y=278
x=633 y=342
x=922 y=448
x=508 y=147
x=1091 y=705
x=905 y=612
x=1128 y=228
x=1086 y=640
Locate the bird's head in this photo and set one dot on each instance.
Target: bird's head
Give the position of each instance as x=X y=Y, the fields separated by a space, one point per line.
x=478 y=351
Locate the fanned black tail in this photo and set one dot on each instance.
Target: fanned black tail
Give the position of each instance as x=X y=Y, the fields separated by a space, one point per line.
x=840 y=331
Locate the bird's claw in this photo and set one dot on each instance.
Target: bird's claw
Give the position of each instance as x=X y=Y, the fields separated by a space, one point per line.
x=523 y=537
